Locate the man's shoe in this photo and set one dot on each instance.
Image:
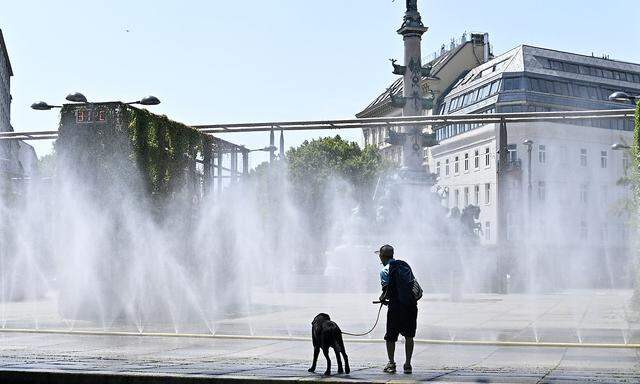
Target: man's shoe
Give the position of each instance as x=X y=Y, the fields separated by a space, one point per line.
x=407 y=369
x=390 y=368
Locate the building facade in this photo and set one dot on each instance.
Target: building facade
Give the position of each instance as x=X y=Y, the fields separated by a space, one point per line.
x=17 y=159
x=561 y=188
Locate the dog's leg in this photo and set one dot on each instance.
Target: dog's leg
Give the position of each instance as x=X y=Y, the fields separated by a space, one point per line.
x=346 y=359
x=316 y=352
x=325 y=351
x=336 y=349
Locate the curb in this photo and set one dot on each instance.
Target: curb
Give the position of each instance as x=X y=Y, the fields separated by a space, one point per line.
x=102 y=377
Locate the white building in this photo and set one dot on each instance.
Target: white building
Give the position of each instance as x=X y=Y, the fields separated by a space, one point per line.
x=569 y=206
x=17 y=159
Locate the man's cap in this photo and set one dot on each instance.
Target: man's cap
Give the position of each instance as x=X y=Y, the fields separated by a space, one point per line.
x=385 y=250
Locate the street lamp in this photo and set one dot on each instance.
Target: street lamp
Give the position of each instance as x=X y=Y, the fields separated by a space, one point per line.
x=147 y=100
x=623 y=97
x=619 y=147
x=76 y=97
x=42 y=106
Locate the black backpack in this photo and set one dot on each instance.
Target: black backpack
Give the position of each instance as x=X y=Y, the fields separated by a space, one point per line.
x=404 y=285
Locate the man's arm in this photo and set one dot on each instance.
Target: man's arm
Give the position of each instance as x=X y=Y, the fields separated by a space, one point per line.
x=384 y=281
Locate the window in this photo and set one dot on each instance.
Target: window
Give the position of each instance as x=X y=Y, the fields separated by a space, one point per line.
x=446 y=167
x=438 y=168
x=487 y=230
x=542 y=191
x=456 y=165
x=487 y=193
x=604 y=192
x=487 y=158
x=476 y=159
x=466 y=162
x=466 y=196
x=512 y=153
x=476 y=193
x=584 y=193
x=511 y=84
x=457 y=199
x=583 y=157
x=495 y=86
x=542 y=154
x=583 y=230
x=603 y=159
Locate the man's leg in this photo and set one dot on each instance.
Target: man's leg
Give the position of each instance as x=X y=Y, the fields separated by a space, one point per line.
x=391 y=350
x=408 y=349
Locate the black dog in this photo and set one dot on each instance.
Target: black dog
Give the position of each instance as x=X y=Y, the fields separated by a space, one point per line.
x=326 y=334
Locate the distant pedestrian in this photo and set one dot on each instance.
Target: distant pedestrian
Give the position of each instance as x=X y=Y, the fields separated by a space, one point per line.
x=400 y=292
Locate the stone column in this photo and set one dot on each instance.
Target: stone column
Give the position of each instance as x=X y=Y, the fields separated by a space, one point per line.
x=412 y=30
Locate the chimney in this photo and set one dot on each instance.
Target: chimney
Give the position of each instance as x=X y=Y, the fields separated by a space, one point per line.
x=487 y=48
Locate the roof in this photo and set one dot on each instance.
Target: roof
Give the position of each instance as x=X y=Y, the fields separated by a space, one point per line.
x=3 y=47
x=526 y=58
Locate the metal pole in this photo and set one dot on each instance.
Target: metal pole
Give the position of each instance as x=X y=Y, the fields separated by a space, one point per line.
x=501 y=202
x=272 y=144
x=529 y=186
x=281 y=144
x=234 y=164
x=245 y=163
x=219 y=172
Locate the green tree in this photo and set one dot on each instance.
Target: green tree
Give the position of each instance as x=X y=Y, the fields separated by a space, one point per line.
x=313 y=166
x=47 y=164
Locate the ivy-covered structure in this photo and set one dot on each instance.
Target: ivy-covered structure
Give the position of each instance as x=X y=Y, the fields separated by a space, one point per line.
x=158 y=159
x=143 y=178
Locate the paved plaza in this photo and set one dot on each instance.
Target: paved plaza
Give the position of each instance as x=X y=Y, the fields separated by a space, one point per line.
x=65 y=357
x=570 y=317
x=589 y=316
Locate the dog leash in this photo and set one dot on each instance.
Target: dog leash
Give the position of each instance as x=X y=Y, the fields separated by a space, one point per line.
x=372 y=328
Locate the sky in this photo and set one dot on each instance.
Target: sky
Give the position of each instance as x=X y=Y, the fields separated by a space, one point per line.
x=223 y=61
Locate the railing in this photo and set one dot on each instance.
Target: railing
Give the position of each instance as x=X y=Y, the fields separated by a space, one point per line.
x=519 y=117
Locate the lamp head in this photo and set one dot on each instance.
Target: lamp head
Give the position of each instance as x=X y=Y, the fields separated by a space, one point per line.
x=149 y=100
x=41 y=106
x=76 y=97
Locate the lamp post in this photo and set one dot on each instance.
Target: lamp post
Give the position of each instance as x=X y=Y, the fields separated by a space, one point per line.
x=78 y=97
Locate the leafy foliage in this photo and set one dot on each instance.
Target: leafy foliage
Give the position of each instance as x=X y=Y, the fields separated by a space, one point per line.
x=133 y=149
x=164 y=150
x=634 y=206
x=47 y=164
x=312 y=164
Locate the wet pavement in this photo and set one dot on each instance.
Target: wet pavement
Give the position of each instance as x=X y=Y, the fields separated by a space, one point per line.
x=87 y=358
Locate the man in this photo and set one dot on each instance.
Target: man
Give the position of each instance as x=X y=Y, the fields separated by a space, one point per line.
x=396 y=278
